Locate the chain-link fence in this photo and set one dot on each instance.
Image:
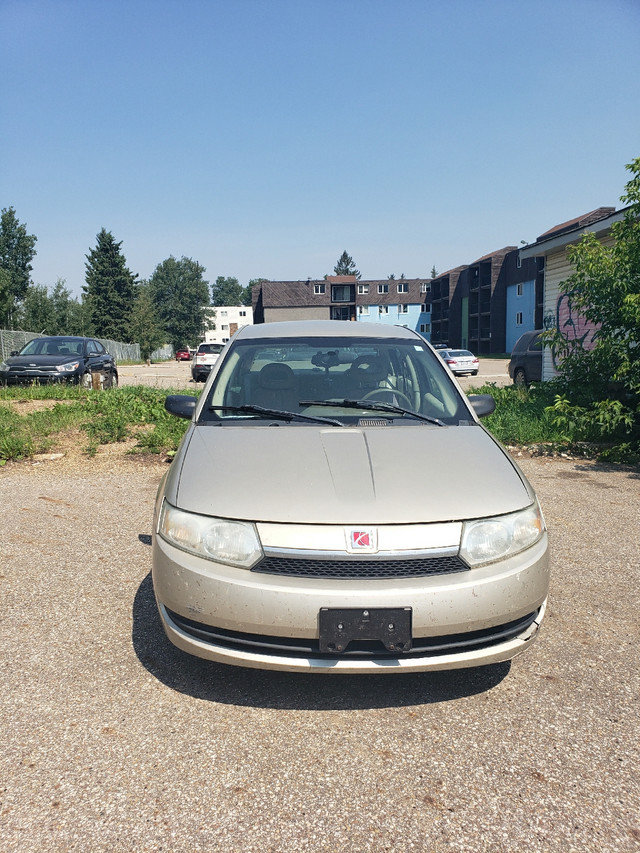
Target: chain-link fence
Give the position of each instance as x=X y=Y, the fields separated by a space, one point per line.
x=11 y=341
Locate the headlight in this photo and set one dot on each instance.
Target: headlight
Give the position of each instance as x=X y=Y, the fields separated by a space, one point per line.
x=4 y=366
x=232 y=542
x=491 y=539
x=69 y=367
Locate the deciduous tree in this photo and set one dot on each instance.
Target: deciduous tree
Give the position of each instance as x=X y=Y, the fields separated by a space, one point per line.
x=227 y=290
x=601 y=385
x=180 y=294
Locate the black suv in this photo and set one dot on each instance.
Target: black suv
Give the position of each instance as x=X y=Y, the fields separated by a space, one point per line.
x=526 y=359
x=60 y=358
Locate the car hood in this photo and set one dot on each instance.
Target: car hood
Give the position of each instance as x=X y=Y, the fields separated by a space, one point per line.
x=311 y=475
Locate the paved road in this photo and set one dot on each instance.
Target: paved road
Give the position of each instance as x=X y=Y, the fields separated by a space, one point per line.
x=115 y=741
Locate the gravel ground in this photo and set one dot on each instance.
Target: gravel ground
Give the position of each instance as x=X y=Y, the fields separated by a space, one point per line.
x=115 y=741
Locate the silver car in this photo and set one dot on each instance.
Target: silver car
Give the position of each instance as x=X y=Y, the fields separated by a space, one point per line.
x=335 y=506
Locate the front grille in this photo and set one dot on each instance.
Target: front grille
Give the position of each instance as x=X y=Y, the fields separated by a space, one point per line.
x=360 y=569
x=362 y=649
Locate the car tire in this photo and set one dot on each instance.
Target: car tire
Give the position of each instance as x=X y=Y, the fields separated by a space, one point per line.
x=519 y=377
x=474 y=372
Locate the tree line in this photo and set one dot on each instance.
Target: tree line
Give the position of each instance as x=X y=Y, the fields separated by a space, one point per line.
x=167 y=308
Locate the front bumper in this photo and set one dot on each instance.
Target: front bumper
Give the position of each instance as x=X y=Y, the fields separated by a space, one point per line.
x=234 y=616
x=37 y=377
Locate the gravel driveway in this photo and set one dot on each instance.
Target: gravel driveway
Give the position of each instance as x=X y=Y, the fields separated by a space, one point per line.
x=115 y=741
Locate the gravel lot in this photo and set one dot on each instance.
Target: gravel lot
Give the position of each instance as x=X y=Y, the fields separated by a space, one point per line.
x=115 y=741
x=177 y=374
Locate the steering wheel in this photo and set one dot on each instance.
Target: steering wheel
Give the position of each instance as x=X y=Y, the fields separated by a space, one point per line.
x=388 y=392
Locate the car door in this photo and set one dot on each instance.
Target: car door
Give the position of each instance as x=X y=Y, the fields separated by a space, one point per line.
x=95 y=356
x=533 y=366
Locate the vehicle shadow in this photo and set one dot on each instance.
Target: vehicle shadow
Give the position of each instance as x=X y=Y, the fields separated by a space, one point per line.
x=232 y=685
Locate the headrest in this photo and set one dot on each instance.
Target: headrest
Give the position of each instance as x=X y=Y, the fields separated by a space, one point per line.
x=277 y=377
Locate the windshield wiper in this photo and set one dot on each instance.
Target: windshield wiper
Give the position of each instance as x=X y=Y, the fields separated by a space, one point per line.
x=374 y=405
x=277 y=414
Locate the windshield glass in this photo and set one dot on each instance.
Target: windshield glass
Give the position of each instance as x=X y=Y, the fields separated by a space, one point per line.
x=52 y=346
x=292 y=375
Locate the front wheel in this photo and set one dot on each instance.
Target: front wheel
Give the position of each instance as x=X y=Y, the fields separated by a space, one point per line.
x=520 y=377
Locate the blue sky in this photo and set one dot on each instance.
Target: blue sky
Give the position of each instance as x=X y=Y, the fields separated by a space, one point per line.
x=264 y=137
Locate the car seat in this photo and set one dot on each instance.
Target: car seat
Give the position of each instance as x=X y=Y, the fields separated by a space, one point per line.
x=277 y=388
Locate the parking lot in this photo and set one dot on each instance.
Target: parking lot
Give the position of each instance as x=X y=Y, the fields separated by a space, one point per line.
x=177 y=374
x=113 y=740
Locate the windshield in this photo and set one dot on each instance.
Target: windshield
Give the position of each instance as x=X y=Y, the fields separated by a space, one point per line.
x=323 y=377
x=52 y=346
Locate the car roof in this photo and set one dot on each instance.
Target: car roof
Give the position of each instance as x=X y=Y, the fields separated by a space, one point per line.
x=324 y=329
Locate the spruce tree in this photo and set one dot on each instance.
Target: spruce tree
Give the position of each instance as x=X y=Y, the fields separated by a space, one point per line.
x=346 y=266
x=17 y=249
x=109 y=293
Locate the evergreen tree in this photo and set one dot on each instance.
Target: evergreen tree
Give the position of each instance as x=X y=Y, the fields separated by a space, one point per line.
x=17 y=250
x=434 y=272
x=346 y=266
x=180 y=294
x=110 y=289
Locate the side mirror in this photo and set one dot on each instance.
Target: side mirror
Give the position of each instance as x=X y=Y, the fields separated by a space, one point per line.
x=14 y=352
x=482 y=404
x=181 y=405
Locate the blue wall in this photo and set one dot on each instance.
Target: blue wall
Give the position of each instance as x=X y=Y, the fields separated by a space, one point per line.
x=524 y=304
x=412 y=319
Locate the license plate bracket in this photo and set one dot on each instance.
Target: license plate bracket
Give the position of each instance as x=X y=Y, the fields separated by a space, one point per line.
x=338 y=626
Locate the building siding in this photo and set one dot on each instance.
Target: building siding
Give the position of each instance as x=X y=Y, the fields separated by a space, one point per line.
x=558 y=312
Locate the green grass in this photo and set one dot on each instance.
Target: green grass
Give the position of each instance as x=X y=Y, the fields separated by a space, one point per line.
x=521 y=418
x=104 y=417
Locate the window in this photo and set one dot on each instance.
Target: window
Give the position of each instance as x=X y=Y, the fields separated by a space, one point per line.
x=403 y=309
x=363 y=288
x=425 y=287
x=363 y=309
x=518 y=261
x=403 y=287
x=519 y=318
x=318 y=288
x=520 y=289
x=343 y=293
x=223 y=313
x=340 y=313
x=224 y=328
x=242 y=313
x=383 y=309
x=425 y=328
x=426 y=308
x=383 y=288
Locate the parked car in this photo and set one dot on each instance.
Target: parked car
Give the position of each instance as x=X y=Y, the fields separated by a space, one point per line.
x=342 y=510
x=204 y=359
x=525 y=365
x=183 y=355
x=60 y=358
x=460 y=361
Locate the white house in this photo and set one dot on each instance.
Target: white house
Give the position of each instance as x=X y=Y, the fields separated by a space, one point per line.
x=225 y=320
